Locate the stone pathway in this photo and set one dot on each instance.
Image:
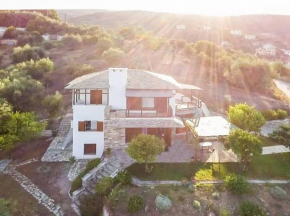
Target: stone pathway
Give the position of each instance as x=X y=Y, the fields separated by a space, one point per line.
x=275 y=149
x=270 y=126
x=31 y=188
x=60 y=148
x=77 y=168
x=26 y=162
x=3 y=164
x=141 y=183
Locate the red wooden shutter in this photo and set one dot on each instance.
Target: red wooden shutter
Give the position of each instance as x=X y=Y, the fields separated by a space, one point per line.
x=100 y=126
x=81 y=126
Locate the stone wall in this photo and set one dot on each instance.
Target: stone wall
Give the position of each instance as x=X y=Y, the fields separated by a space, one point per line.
x=114 y=135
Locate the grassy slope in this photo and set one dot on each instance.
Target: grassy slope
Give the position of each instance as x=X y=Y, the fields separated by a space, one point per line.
x=262 y=167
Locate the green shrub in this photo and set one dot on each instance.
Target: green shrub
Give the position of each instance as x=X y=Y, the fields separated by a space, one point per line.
x=72 y=41
x=248 y=208
x=204 y=174
x=278 y=193
x=236 y=183
x=135 y=203
x=124 y=178
x=104 y=185
x=191 y=188
x=216 y=195
x=7 y=207
x=72 y=159
x=113 y=196
x=91 y=205
x=47 y=45
x=282 y=114
x=224 y=212
x=77 y=182
x=92 y=164
x=26 y=53
x=274 y=114
x=163 y=203
x=196 y=204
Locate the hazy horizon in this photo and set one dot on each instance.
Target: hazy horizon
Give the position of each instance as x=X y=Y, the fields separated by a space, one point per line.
x=188 y=7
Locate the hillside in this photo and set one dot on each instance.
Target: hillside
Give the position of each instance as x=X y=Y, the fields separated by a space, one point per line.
x=165 y=23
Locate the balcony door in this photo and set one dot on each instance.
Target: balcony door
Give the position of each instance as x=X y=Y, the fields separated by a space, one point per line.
x=96 y=96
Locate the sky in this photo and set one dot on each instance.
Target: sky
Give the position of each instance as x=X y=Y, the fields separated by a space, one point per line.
x=201 y=7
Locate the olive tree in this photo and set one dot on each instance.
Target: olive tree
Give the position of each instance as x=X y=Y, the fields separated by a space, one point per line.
x=244 y=144
x=246 y=117
x=144 y=148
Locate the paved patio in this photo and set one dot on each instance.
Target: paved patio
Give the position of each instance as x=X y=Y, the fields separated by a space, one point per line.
x=270 y=126
x=181 y=152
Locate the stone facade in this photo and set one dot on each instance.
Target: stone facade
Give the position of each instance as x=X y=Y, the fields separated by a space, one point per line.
x=114 y=135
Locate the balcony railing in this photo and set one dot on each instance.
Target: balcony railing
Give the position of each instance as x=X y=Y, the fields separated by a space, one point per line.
x=186 y=105
x=148 y=113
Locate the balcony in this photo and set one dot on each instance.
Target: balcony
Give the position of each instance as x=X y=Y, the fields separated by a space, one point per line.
x=148 y=114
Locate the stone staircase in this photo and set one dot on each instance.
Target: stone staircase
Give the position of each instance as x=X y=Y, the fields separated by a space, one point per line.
x=109 y=168
x=60 y=148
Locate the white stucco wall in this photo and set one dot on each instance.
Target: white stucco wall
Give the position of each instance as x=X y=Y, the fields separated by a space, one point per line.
x=87 y=113
x=172 y=103
x=117 y=91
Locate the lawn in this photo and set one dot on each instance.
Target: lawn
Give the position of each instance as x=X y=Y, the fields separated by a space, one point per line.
x=262 y=167
x=266 y=141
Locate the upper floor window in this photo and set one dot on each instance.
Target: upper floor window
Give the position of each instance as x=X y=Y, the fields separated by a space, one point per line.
x=148 y=102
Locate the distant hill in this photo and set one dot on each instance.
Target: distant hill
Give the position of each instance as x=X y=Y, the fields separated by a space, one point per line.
x=165 y=23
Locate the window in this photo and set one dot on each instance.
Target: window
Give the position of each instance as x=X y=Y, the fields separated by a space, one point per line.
x=148 y=102
x=90 y=149
x=90 y=126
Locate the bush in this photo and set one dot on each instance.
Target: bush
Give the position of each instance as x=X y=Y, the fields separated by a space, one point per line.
x=204 y=174
x=104 y=185
x=236 y=183
x=216 y=195
x=91 y=205
x=124 y=178
x=282 y=114
x=135 y=203
x=191 y=188
x=77 y=182
x=26 y=53
x=53 y=104
x=196 y=204
x=224 y=212
x=163 y=203
x=104 y=44
x=274 y=115
x=113 y=55
x=114 y=194
x=278 y=193
x=72 y=41
x=92 y=164
x=248 y=208
x=47 y=45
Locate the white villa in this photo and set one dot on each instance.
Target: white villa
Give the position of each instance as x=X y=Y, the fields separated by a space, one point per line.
x=267 y=49
x=51 y=37
x=206 y=28
x=250 y=37
x=180 y=26
x=286 y=52
x=236 y=32
x=112 y=106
